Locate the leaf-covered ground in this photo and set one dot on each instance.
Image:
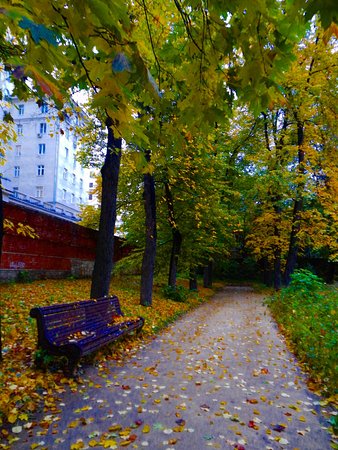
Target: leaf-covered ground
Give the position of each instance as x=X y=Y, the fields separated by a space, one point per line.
x=23 y=388
x=306 y=312
x=220 y=377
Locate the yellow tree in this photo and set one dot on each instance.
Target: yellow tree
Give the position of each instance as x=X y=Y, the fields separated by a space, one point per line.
x=297 y=165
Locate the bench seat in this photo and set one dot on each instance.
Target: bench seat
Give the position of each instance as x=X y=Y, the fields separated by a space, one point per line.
x=77 y=329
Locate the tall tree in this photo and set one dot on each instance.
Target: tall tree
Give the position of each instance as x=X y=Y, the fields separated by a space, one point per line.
x=236 y=51
x=148 y=261
x=286 y=172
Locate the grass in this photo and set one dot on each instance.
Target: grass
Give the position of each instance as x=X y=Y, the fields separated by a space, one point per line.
x=306 y=313
x=22 y=386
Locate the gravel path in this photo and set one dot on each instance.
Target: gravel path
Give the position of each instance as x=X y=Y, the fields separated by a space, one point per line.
x=220 y=377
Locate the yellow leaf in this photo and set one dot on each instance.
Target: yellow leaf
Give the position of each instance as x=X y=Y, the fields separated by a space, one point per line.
x=12 y=417
x=115 y=428
x=73 y=424
x=109 y=443
x=93 y=443
x=77 y=446
x=146 y=429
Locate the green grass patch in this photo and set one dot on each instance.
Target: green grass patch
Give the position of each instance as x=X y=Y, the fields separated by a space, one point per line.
x=306 y=312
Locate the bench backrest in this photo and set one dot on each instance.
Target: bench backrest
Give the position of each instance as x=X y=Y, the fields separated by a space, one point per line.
x=57 y=322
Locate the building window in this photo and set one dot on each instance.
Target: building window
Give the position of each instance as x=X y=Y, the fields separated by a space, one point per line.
x=81 y=200
x=15 y=191
x=91 y=184
x=43 y=128
x=18 y=150
x=20 y=129
x=67 y=133
x=16 y=171
x=21 y=110
x=64 y=194
x=74 y=178
x=81 y=183
x=67 y=152
x=73 y=198
x=42 y=149
x=44 y=108
x=65 y=174
x=39 y=191
x=41 y=170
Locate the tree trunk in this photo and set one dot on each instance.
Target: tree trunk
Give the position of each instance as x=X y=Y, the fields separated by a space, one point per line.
x=177 y=237
x=291 y=260
x=148 y=262
x=1 y=239
x=277 y=254
x=175 y=251
x=1 y=219
x=207 y=275
x=192 y=279
x=105 y=243
x=277 y=271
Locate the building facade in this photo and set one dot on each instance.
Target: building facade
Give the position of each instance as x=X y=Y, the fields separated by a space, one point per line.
x=41 y=166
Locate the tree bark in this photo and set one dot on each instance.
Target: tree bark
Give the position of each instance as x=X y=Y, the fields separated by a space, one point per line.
x=175 y=251
x=176 y=235
x=291 y=260
x=1 y=240
x=192 y=279
x=1 y=219
x=148 y=262
x=207 y=275
x=277 y=271
x=274 y=192
x=105 y=243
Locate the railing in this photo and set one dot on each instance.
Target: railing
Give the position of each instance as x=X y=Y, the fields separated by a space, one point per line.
x=19 y=197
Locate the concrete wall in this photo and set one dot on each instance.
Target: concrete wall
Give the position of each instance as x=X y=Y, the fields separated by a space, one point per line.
x=63 y=248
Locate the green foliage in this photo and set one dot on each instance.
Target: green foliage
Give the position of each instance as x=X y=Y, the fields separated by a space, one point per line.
x=307 y=313
x=176 y=293
x=24 y=276
x=129 y=265
x=305 y=284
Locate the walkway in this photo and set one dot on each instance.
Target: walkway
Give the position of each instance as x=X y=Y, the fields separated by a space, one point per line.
x=221 y=377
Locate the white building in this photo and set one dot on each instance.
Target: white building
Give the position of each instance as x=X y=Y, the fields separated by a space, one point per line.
x=41 y=168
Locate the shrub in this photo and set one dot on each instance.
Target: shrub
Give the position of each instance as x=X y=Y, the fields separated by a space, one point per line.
x=176 y=293
x=24 y=276
x=306 y=312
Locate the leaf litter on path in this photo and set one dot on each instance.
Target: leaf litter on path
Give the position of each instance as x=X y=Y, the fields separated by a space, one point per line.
x=214 y=379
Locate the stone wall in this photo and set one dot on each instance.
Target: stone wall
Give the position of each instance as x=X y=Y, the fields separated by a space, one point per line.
x=63 y=248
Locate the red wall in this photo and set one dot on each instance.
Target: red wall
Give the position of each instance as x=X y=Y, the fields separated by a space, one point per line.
x=61 y=246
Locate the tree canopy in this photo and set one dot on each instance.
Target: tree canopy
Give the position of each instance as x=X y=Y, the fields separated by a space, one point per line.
x=223 y=104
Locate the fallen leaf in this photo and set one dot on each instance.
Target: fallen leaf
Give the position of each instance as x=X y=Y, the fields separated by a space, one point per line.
x=279 y=428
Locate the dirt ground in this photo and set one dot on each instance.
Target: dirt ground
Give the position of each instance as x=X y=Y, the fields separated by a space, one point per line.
x=220 y=377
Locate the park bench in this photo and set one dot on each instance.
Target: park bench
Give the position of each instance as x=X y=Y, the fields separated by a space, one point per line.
x=76 y=329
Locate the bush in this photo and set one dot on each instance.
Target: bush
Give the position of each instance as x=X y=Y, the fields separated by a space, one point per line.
x=176 y=293
x=24 y=276
x=306 y=312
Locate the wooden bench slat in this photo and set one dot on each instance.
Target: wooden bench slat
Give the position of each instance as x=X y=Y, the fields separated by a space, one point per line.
x=79 y=328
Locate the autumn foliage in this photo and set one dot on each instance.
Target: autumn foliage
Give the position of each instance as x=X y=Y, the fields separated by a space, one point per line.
x=24 y=388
